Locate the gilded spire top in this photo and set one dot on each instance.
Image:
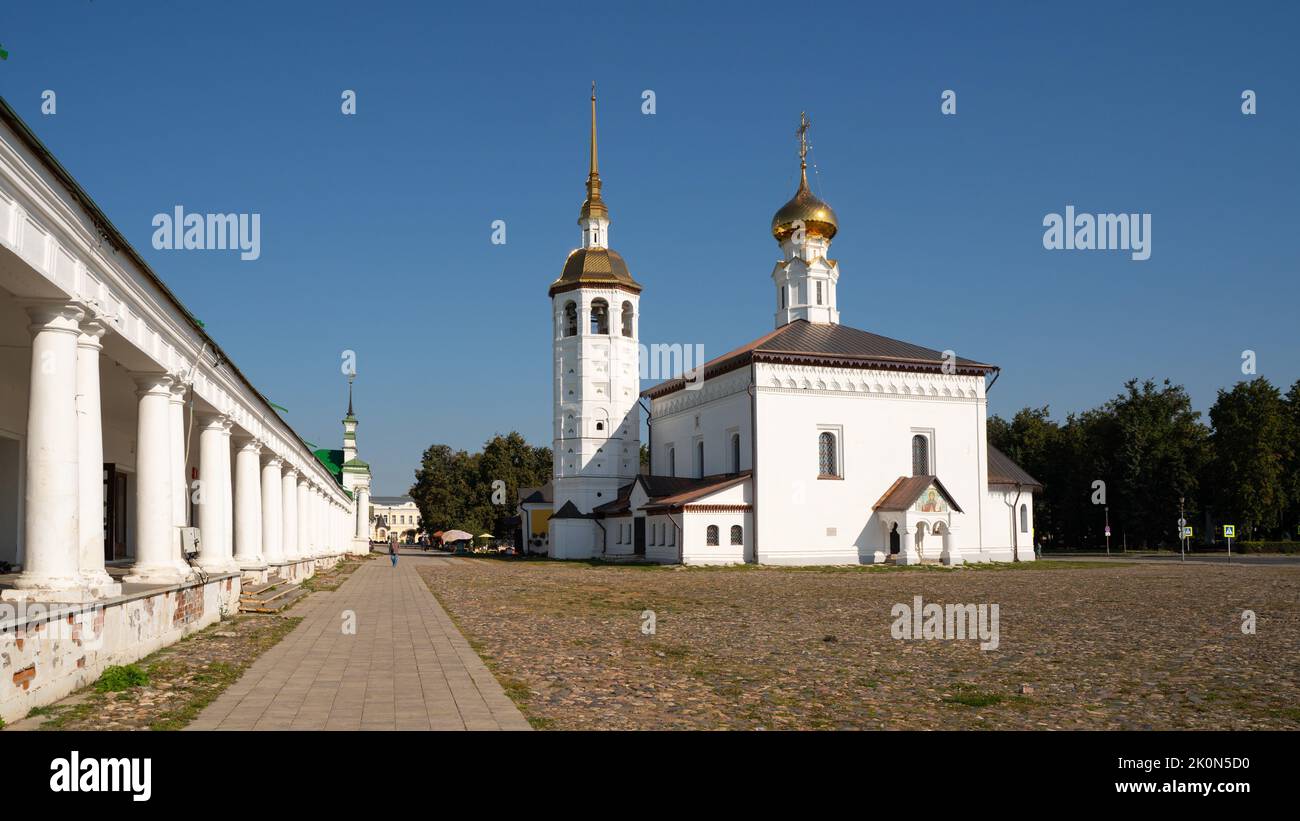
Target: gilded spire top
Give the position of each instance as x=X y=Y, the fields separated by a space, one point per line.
x=594 y=205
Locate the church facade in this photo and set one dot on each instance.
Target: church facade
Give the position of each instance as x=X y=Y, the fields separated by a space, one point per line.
x=816 y=443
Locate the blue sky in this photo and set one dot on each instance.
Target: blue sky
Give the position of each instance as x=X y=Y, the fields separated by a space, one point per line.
x=376 y=228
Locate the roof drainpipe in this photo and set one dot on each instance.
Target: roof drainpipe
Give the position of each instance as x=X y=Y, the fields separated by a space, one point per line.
x=650 y=441
x=604 y=537
x=753 y=455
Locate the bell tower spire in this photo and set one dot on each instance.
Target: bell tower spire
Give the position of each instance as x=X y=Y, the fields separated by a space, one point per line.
x=594 y=216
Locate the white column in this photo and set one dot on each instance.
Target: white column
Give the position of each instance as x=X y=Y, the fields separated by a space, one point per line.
x=362 y=532
x=907 y=547
x=225 y=485
x=214 y=553
x=180 y=481
x=951 y=551
x=248 y=505
x=90 y=461
x=304 y=518
x=51 y=569
x=156 y=560
x=289 y=511
x=318 y=521
x=272 y=529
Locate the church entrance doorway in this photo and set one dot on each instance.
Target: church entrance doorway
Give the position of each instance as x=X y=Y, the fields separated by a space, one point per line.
x=895 y=542
x=638 y=536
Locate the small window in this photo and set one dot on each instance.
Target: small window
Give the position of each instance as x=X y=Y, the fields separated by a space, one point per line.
x=782 y=289
x=737 y=534
x=827 y=457
x=711 y=536
x=735 y=453
x=672 y=462
x=570 y=319
x=600 y=426
x=599 y=316
x=920 y=456
x=699 y=458
x=819 y=293
x=1024 y=518
x=627 y=319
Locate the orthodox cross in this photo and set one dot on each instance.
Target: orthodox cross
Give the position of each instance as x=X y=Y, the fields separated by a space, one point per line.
x=804 y=122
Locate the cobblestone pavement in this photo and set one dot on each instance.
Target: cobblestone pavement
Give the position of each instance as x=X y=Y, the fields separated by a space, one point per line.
x=405 y=668
x=1100 y=646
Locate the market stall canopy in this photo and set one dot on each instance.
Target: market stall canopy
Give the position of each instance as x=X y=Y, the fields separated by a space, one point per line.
x=456 y=536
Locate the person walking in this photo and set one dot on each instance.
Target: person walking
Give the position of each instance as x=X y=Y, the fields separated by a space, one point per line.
x=392 y=552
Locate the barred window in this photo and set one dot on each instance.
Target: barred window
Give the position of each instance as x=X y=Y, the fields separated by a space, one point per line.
x=737 y=534
x=826 y=455
x=711 y=536
x=920 y=456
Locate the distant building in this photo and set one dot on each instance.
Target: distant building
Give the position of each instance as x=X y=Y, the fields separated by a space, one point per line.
x=391 y=515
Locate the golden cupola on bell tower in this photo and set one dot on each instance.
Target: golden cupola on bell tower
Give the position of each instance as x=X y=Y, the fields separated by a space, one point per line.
x=805 y=278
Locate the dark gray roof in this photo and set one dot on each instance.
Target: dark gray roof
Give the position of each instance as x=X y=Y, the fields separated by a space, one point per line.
x=804 y=342
x=537 y=495
x=1003 y=471
x=569 y=510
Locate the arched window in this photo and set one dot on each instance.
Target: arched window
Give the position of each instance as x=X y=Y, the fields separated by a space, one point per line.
x=735 y=453
x=737 y=534
x=711 y=536
x=699 y=458
x=920 y=456
x=819 y=292
x=1024 y=518
x=627 y=319
x=599 y=316
x=570 y=319
x=826 y=455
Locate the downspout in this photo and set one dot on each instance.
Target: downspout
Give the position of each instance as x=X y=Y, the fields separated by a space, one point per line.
x=981 y=470
x=681 y=546
x=604 y=536
x=650 y=441
x=753 y=455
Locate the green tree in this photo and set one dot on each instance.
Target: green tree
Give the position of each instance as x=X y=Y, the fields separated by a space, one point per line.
x=1157 y=449
x=1251 y=450
x=1291 y=461
x=457 y=489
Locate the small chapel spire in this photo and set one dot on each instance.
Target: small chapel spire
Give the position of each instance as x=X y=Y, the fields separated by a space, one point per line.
x=594 y=206
x=351 y=376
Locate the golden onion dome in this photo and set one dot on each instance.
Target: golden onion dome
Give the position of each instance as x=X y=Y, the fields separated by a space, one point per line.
x=817 y=216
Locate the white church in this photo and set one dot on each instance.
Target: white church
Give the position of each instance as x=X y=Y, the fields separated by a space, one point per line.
x=814 y=444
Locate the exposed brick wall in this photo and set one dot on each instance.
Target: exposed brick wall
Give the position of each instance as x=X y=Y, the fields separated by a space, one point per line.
x=23 y=678
x=189 y=606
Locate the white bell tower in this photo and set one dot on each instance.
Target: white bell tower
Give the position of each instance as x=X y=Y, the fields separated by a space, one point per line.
x=597 y=421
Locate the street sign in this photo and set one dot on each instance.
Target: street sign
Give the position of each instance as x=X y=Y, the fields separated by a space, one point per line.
x=1107 y=531
x=1182 y=522
x=1229 y=531
x=1187 y=533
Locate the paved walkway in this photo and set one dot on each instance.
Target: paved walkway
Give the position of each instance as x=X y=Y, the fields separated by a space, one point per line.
x=406 y=668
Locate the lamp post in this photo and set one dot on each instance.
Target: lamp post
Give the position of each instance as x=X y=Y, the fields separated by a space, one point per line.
x=1107 y=510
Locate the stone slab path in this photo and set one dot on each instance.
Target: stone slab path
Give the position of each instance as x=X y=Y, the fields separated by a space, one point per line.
x=406 y=668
